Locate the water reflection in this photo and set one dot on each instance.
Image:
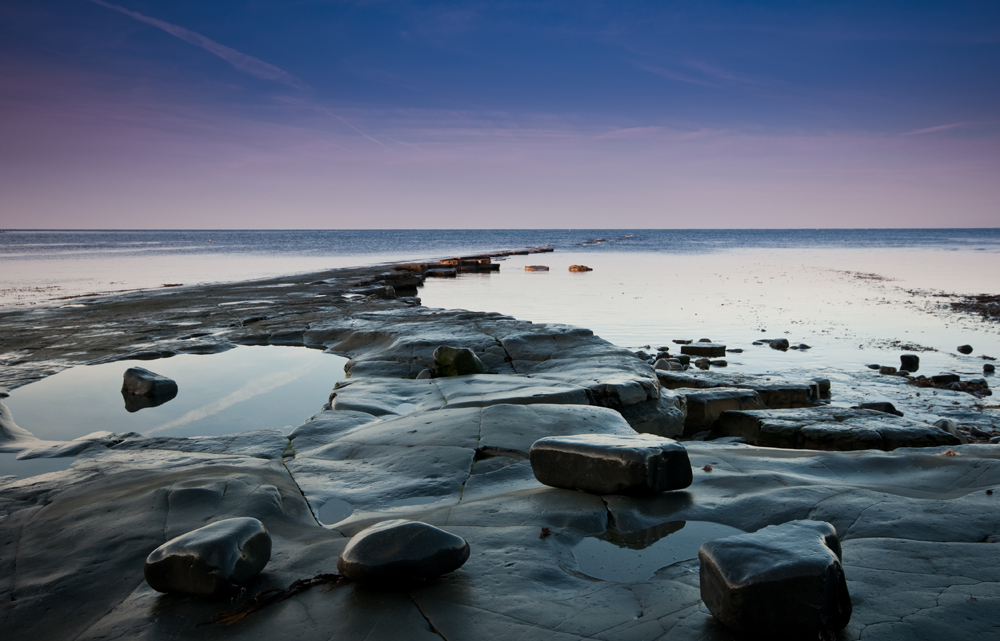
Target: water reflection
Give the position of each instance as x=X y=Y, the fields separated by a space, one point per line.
x=635 y=556
x=136 y=402
x=243 y=389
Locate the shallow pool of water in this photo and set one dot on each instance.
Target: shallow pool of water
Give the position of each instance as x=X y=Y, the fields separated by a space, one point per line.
x=243 y=389
x=22 y=469
x=635 y=556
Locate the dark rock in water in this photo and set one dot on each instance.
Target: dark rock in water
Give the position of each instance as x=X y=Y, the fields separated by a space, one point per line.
x=945 y=379
x=456 y=361
x=536 y=268
x=399 y=554
x=142 y=382
x=668 y=364
x=964 y=349
x=580 y=268
x=887 y=370
x=989 y=368
x=676 y=380
x=783 y=581
x=804 y=346
x=758 y=343
x=735 y=350
x=640 y=465
x=711 y=350
x=704 y=340
x=684 y=359
x=681 y=341
x=779 y=343
x=642 y=355
x=787 y=395
x=909 y=362
x=886 y=407
x=824 y=387
x=212 y=561
x=142 y=388
x=425 y=374
x=702 y=363
x=874 y=366
x=720 y=363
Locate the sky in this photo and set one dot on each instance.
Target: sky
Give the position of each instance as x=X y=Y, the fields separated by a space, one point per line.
x=310 y=114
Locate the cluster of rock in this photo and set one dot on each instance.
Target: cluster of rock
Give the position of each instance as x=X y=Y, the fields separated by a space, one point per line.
x=910 y=363
x=781 y=344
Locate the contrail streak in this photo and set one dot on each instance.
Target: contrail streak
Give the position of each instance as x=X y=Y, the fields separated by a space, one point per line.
x=241 y=61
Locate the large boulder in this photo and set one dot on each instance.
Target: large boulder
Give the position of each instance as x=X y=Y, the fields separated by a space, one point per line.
x=456 y=361
x=398 y=554
x=641 y=465
x=212 y=561
x=909 y=362
x=783 y=581
x=705 y=406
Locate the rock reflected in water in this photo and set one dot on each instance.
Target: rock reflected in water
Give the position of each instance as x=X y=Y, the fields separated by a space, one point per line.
x=628 y=557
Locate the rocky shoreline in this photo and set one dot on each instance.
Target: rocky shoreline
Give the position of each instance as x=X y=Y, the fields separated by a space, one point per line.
x=911 y=502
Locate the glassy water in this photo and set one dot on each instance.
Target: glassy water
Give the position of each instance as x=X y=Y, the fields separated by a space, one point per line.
x=243 y=389
x=636 y=556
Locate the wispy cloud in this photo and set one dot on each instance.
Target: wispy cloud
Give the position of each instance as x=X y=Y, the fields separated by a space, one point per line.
x=675 y=76
x=240 y=61
x=931 y=130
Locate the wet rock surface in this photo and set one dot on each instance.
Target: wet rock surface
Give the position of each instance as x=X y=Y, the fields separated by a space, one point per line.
x=212 y=561
x=605 y=464
x=452 y=361
x=783 y=581
x=400 y=554
x=709 y=350
x=917 y=526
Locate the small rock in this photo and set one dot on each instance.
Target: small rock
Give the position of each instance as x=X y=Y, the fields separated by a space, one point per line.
x=887 y=370
x=142 y=382
x=399 y=554
x=944 y=379
x=779 y=343
x=989 y=368
x=947 y=425
x=668 y=365
x=212 y=561
x=886 y=407
x=580 y=268
x=452 y=361
x=425 y=374
x=735 y=350
x=874 y=366
x=704 y=340
x=824 y=387
x=640 y=465
x=642 y=355
x=978 y=433
x=536 y=268
x=955 y=387
x=804 y=346
x=909 y=362
x=720 y=363
x=702 y=363
x=758 y=343
x=681 y=341
x=995 y=440
x=782 y=581
x=711 y=350
x=964 y=349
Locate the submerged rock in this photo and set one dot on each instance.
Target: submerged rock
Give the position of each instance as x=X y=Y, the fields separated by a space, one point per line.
x=640 y=465
x=580 y=268
x=212 y=561
x=398 y=554
x=779 y=343
x=989 y=368
x=909 y=362
x=784 y=580
x=456 y=361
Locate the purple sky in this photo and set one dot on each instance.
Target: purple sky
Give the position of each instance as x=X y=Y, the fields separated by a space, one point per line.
x=523 y=115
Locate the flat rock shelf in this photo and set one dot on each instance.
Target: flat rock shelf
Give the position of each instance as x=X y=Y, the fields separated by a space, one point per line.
x=917 y=526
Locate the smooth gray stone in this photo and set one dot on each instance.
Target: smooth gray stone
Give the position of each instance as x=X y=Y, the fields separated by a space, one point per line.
x=398 y=554
x=909 y=362
x=424 y=374
x=212 y=561
x=705 y=406
x=663 y=417
x=456 y=361
x=710 y=350
x=139 y=381
x=783 y=581
x=881 y=406
x=641 y=465
x=887 y=370
x=779 y=343
x=947 y=425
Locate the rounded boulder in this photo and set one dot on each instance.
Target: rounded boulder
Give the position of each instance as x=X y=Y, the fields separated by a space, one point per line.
x=398 y=554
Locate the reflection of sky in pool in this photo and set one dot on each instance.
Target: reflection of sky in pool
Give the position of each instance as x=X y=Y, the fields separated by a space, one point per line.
x=243 y=389
x=636 y=556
